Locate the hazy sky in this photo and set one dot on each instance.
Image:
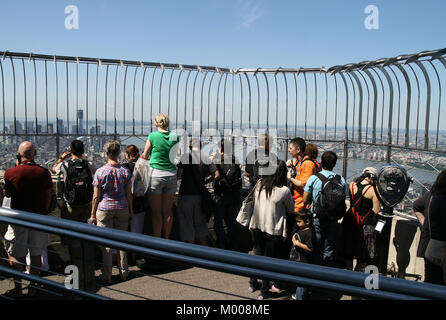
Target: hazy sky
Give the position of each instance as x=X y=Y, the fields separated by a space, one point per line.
x=229 y=33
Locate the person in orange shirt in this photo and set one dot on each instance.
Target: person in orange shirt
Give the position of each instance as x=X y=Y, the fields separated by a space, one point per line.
x=299 y=171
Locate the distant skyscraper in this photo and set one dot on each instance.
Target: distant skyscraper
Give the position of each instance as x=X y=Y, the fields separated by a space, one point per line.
x=80 y=119
x=50 y=128
x=60 y=126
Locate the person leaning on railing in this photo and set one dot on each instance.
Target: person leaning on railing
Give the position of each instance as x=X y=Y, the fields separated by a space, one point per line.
x=162 y=145
x=112 y=205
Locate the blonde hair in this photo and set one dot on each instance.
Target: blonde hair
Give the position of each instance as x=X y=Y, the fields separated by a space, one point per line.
x=162 y=121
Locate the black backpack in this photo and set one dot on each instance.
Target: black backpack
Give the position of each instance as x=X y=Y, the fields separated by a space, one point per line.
x=78 y=189
x=330 y=204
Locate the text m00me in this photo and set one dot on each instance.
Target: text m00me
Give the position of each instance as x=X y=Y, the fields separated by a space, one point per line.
x=245 y=309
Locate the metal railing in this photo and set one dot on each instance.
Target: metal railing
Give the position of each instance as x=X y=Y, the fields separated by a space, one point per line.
x=313 y=276
x=367 y=103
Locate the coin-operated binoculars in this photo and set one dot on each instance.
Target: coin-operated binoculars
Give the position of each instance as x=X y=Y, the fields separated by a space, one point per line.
x=391 y=185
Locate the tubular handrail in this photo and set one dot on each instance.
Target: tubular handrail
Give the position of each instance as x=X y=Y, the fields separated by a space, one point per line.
x=229 y=261
x=52 y=284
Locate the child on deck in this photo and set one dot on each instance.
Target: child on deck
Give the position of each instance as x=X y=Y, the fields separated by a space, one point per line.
x=302 y=246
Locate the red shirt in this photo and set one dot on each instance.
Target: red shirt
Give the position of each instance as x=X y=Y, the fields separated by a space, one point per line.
x=28 y=184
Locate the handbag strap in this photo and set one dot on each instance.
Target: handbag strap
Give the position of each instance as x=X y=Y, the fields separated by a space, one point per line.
x=429 y=216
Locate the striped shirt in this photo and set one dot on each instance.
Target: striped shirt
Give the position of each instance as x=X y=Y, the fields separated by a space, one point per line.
x=112 y=180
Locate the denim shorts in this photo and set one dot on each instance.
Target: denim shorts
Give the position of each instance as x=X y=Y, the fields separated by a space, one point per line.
x=162 y=185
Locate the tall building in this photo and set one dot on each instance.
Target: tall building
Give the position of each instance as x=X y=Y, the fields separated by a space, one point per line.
x=60 y=127
x=80 y=119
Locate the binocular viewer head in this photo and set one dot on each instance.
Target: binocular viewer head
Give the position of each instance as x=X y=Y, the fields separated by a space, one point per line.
x=391 y=184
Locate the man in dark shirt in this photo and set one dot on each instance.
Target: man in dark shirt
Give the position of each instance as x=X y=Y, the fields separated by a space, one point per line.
x=192 y=171
x=29 y=186
x=260 y=161
x=227 y=184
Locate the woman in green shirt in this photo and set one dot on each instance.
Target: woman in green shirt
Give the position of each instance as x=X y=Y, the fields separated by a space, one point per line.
x=162 y=146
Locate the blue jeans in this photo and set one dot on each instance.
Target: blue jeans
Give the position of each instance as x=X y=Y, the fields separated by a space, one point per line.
x=225 y=209
x=325 y=234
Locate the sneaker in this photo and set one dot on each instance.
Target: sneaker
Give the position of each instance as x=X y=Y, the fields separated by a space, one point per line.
x=262 y=296
x=293 y=296
x=275 y=289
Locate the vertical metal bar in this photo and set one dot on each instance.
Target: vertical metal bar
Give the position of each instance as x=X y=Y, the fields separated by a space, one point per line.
x=193 y=98
x=185 y=100
x=389 y=126
x=96 y=98
x=428 y=103
x=218 y=94
x=35 y=95
x=46 y=98
x=315 y=105
x=123 y=106
x=57 y=109
x=241 y=101
x=133 y=107
x=368 y=106
x=224 y=104
x=168 y=98
x=336 y=105
x=249 y=101
x=409 y=98
x=295 y=111
x=306 y=104
x=15 y=110
x=151 y=100
x=375 y=103
x=209 y=97
x=24 y=86
x=178 y=88
x=68 y=107
x=142 y=99
x=258 y=102
x=77 y=99
x=3 y=96
x=399 y=104
x=344 y=169
x=439 y=102
x=115 y=129
x=267 y=102
x=326 y=105
x=161 y=85
x=354 y=108
x=286 y=114
x=359 y=106
x=232 y=108
x=277 y=102
x=86 y=102
x=418 y=102
x=105 y=101
x=201 y=104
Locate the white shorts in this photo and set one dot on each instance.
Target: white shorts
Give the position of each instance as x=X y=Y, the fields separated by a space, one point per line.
x=18 y=240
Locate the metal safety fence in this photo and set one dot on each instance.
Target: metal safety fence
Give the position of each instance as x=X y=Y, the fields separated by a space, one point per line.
x=313 y=276
x=392 y=103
